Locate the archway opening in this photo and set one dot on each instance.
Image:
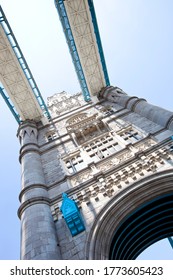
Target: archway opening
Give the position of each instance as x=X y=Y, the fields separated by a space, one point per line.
x=146 y=225
x=160 y=250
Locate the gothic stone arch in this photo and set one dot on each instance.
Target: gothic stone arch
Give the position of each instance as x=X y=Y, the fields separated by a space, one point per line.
x=118 y=208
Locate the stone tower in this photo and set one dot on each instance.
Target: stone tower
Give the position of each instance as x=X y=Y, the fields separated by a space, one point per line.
x=96 y=180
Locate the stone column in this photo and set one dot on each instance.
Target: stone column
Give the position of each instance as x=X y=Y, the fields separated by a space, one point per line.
x=38 y=234
x=138 y=105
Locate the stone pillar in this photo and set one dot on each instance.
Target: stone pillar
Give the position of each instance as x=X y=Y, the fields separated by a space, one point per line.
x=138 y=105
x=38 y=234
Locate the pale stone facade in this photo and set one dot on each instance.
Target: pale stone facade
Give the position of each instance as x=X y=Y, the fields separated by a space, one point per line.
x=97 y=153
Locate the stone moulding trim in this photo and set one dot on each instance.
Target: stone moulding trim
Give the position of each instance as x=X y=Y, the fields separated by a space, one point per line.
x=136 y=103
x=48 y=147
x=32 y=201
x=170 y=120
x=28 y=151
x=63 y=116
x=122 y=114
x=122 y=204
x=158 y=132
x=57 y=183
x=58 y=138
x=30 y=187
x=26 y=145
x=130 y=98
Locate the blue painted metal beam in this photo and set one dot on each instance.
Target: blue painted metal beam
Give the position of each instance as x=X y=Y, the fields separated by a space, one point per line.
x=98 y=39
x=83 y=80
x=24 y=66
x=170 y=241
x=9 y=104
x=72 y=47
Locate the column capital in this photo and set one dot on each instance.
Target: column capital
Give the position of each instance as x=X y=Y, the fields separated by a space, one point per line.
x=27 y=132
x=137 y=105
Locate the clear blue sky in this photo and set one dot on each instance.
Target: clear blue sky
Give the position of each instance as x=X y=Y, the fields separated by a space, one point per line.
x=137 y=38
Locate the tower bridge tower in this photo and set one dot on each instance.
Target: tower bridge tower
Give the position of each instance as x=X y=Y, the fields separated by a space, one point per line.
x=96 y=172
x=113 y=158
